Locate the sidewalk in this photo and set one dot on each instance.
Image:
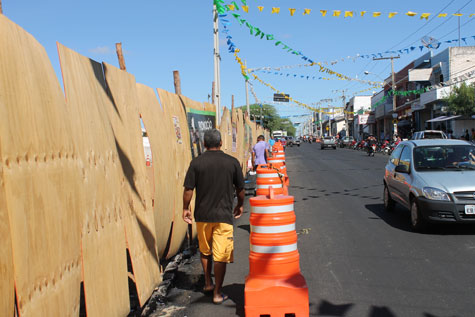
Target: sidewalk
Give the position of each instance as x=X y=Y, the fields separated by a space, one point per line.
x=186 y=297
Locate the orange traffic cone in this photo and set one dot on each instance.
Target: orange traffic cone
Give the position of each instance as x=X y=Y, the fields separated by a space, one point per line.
x=274 y=286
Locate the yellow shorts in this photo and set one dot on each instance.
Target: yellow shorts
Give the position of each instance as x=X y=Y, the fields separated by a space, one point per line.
x=216 y=238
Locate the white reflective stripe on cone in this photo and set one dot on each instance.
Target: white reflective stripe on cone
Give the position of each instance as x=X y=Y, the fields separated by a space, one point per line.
x=273 y=229
x=270 y=185
x=274 y=248
x=276 y=161
x=272 y=209
x=280 y=155
x=273 y=175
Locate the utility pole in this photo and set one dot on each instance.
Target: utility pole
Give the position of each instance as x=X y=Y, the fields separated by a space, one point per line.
x=458 y=27
x=247 y=92
x=177 y=82
x=217 y=60
x=393 y=84
x=1 y=10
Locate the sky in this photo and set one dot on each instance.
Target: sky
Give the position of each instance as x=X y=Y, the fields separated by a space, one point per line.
x=159 y=37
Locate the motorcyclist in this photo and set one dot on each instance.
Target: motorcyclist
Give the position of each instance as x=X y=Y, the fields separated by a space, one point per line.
x=371 y=141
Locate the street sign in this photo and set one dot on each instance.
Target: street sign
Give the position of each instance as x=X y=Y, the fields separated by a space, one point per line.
x=281 y=97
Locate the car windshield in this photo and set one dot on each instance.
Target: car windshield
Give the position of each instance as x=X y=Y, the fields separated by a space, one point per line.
x=444 y=157
x=433 y=135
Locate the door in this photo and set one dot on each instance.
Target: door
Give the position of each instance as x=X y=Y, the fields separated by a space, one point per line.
x=402 y=181
x=390 y=170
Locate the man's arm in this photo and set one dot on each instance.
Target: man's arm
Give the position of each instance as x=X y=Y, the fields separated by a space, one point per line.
x=187 y=195
x=240 y=193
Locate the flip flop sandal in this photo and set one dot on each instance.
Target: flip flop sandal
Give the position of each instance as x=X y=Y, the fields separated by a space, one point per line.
x=224 y=298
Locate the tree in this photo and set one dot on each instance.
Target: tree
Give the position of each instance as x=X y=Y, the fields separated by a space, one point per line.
x=270 y=119
x=461 y=100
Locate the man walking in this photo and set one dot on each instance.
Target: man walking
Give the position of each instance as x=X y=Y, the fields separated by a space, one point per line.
x=216 y=176
x=260 y=152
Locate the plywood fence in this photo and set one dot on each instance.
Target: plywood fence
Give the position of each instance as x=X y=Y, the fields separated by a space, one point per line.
x=77 y=199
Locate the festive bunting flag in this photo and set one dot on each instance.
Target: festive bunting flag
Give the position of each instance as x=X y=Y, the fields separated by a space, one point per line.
x=260 y=8
x=348 y=14
x=471 y=15
x=323 y=12
x=306 y=11
x=457 y=14
x=376 y=14
x=231 y=7
x=275 y=10
x=425 y=16
x=292 y=11
x=336 y=13
x=411 y=14
x=442 y=15
x=392 y=14
x=363 y=13
x=245 y=8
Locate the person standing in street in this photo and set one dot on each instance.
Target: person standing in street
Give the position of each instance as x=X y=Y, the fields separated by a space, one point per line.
x=215 y=176
x=260 y=152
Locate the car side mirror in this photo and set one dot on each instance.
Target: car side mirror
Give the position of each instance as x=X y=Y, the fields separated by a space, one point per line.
x=401 y=168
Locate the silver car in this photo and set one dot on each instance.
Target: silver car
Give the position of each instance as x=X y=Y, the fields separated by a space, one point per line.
x=434 y=179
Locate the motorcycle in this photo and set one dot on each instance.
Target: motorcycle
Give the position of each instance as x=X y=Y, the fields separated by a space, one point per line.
x=371 y=149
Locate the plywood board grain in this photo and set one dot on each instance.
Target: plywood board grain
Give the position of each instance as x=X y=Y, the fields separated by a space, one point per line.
x=136 y=194
x=103 y=245
x=240 y=136
x=6 y=256
x=175 y=111
x=226 y=130
x=160 y=134
x=40 y=180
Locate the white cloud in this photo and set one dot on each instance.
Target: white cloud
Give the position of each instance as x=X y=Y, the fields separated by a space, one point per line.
x=102 y=50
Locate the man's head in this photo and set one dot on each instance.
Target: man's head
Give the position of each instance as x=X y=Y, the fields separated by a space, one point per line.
x=212 y=139
x=260 y=138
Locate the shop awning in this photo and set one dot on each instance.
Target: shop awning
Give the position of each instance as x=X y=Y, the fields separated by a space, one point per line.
x=443 y=118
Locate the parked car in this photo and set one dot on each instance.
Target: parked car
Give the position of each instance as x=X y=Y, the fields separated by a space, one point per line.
x=346 y=141
x=434 y=179
x=429 y=134
x=328 y=141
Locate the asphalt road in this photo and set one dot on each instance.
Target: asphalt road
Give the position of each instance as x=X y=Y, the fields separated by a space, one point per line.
x=357 y=259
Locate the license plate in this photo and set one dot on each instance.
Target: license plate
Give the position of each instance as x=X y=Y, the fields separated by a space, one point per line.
x=470 y=209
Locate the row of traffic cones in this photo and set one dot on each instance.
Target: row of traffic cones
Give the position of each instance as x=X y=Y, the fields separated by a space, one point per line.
x=274 y=286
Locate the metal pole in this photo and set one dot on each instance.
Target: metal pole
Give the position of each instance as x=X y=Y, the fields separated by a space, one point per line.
x=217 y=59
x=459 y=30
x=345 y=113
x=247 y=93
x=394 y=92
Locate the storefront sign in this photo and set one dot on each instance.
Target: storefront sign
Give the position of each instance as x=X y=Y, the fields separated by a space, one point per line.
x=199 y=122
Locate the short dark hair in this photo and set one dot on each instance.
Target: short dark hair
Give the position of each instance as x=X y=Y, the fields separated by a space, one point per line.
x=261 y=137
x=212 y=138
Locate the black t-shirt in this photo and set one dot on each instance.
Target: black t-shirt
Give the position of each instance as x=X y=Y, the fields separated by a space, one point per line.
x=215 y=175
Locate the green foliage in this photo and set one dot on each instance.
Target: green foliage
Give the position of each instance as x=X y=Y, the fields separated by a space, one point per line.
x=271 y=120
x=462 y=100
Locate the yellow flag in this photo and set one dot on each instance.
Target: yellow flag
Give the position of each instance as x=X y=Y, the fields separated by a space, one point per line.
x=292 y=11
x=376 y=14
x=471 y=15
x=457 y=14
x=245 y=8
x=442 y=15
x=260 y=8
x=275 y=10
x=231 y=7
x=411 y=14
x=425 y=16
x=323 y=12
x=392 y=14
x=363 y=13
x=348 y=14
x=336 y=13
x=306 y=11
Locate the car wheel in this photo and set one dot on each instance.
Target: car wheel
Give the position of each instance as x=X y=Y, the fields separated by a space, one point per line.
x=418 y=223
x=388 y=201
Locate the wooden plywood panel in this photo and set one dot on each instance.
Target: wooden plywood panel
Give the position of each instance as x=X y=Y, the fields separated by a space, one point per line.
x=6 y=256
x=161 y=134
x=40 y=182
x=139 y=222
x=240 y=136
x=226 y=130
x=102 y=230
x=181 y=143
